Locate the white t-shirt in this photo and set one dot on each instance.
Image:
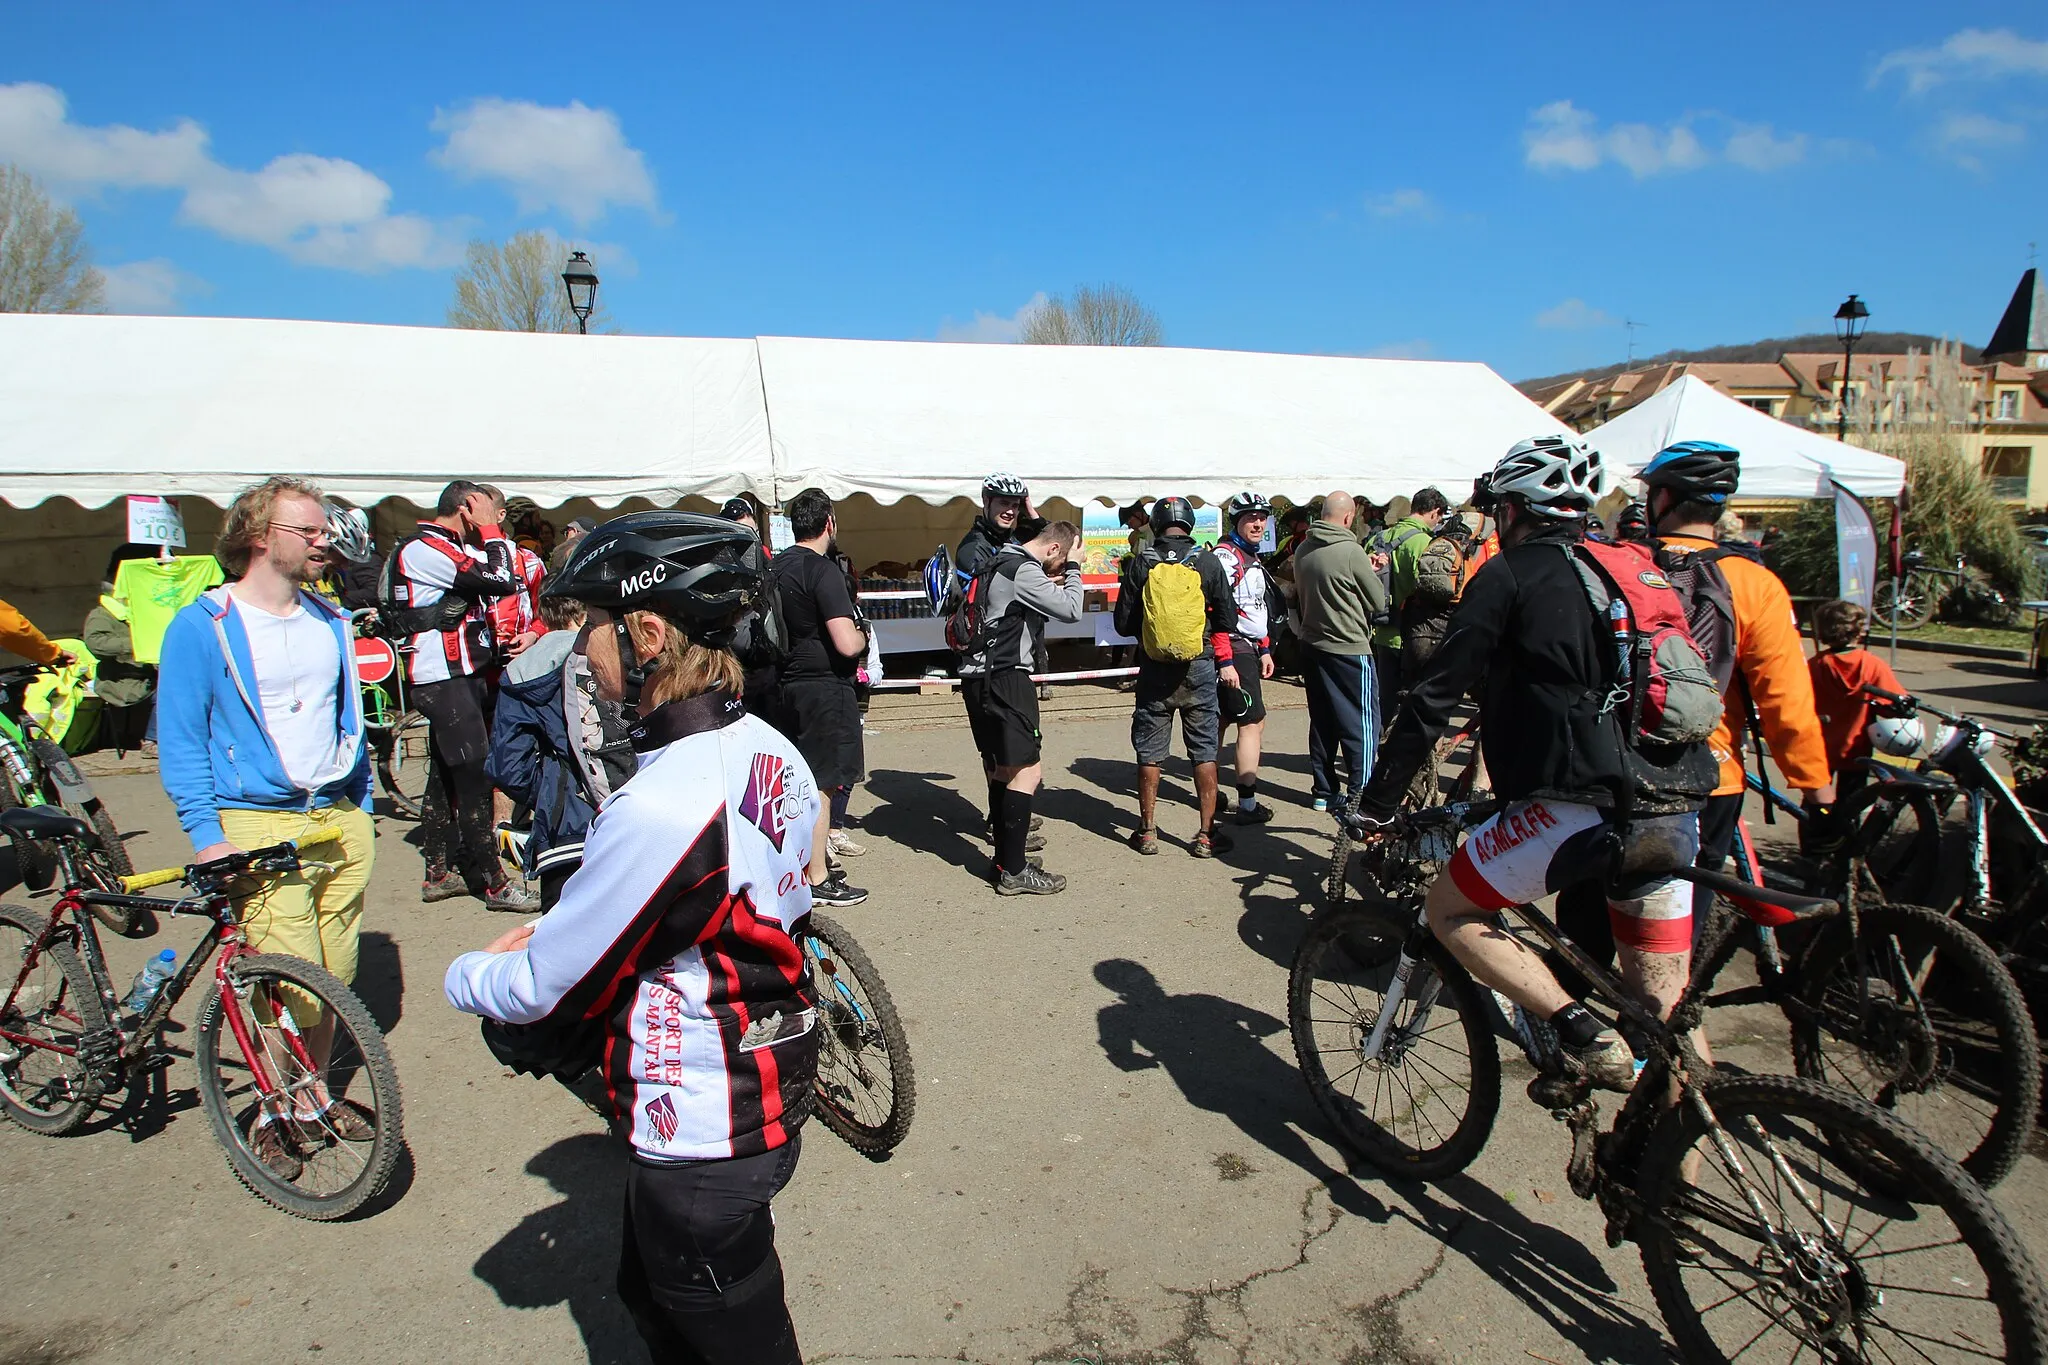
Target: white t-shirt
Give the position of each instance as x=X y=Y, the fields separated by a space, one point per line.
x=298 y=676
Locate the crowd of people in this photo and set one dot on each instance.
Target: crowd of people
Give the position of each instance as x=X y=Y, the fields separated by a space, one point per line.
x=675 y=712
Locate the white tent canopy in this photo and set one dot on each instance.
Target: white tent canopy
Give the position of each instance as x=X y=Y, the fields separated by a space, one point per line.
x=1779 y=460
x=927 y=419
x=93 y=408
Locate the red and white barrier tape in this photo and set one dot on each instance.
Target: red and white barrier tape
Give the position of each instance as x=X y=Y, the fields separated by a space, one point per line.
x=1082 y=675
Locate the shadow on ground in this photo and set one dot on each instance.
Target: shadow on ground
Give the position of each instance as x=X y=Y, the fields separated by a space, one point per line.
x=568 y=1252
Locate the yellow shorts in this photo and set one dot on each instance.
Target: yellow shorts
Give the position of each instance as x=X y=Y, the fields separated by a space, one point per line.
x=311 y=914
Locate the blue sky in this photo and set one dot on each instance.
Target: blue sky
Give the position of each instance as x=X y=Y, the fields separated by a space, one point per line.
x=1452 y=182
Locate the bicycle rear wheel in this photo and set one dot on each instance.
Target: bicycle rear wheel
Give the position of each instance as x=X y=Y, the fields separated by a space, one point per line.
x=43 y=1090
x=1425 y=1106
x=402 y=764
x=866 y=1090
x=1926 y=1024
x=1835 y=1269
x=1905 y=847
x=275 y=1002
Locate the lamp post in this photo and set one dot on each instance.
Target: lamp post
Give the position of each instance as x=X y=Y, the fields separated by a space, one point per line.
x=580 y=279
x=1850 y=320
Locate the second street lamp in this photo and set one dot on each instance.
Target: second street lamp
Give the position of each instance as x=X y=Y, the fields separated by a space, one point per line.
x=579 y=277
x=1850 y=320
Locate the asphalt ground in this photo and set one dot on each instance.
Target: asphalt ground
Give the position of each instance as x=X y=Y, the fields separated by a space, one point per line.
x=1113 y=1158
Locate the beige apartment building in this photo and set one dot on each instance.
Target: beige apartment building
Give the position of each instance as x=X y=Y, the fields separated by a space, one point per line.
x=2000 y=403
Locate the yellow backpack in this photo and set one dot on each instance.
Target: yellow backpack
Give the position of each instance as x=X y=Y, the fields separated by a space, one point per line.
x=1176 y=612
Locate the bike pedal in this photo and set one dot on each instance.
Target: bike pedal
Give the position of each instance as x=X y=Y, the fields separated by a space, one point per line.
x=1560 y=1094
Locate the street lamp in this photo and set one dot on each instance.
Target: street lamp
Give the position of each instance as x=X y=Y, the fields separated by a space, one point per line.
x=580 y=279
x=1850 y=320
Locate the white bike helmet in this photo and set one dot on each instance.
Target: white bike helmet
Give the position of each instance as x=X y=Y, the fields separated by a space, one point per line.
x=1554 y=476
x=1948 y=740
x=348 y=531
x=1897 y=736
x=1004 y=486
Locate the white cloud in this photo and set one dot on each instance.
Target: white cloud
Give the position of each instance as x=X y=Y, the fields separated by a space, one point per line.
x=153 y=286
x=990 y=326
x=1977 y=52
x=316 y=209
x=1959 y=137
x=1574 y=314
x=570 y=157
x=1560 y=136
x=1408 y=203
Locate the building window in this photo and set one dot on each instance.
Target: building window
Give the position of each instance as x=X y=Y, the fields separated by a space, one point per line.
x=2007 y=468
x=1766 y=406
x=2009 y=405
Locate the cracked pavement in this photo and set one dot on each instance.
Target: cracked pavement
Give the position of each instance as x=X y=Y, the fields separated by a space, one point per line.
x=1113 y=1161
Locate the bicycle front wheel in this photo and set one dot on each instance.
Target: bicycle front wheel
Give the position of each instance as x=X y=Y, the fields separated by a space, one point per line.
x=1924 y=1022
x=402 y=758
x=1904 y=842
x=43 y=1089
x=866 y=1090
x=1787 y=1253
x=256 y=1053
x=1425 y=1105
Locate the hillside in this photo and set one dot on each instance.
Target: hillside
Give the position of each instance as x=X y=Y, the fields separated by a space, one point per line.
x=1761 y=351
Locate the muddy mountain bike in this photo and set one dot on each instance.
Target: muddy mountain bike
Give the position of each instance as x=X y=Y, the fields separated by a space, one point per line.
x=865 y=1091
x=36 y=772
x=65 y=1043
x=1777 y=1218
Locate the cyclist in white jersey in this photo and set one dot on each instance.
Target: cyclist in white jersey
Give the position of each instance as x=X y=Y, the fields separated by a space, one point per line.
x=676 y=936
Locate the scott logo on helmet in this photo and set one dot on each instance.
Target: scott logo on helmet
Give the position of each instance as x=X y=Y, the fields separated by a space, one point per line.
x=645 y=579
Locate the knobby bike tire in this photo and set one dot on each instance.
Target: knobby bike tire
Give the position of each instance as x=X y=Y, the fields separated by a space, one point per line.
x=1905 y=856
x=392 y=771
x=1969 y=985
x=82 y=998
x=841 y=1035
x=1372 y=941
x=375 y=1061
x=2012 y=1283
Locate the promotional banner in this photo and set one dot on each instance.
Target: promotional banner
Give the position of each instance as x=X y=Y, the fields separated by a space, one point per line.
x=1856 y=543
x=1105 y=540
x=155 y=521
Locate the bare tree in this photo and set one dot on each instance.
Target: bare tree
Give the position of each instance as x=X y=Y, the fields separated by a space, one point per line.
x=1100 y=315
x=516 y=287
x=44 y=264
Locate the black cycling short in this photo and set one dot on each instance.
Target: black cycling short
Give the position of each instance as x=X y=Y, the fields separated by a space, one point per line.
x=823 y=716
x=457 y=712
x=1249 y=708
x=1002 y=710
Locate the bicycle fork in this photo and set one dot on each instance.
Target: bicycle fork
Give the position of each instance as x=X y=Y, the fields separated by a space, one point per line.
x=1397 y=994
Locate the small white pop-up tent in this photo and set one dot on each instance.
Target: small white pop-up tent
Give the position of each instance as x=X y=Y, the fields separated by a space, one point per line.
x=927 y=420
x=92 y=408
x=1779 y=460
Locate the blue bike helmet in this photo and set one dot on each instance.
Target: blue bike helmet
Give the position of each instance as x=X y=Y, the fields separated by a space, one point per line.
x=1698 y=471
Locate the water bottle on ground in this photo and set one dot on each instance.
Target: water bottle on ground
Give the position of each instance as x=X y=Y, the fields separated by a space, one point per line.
x=150 y=980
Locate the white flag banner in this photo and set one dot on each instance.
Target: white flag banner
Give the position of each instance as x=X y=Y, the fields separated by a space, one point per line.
x=1856 y=545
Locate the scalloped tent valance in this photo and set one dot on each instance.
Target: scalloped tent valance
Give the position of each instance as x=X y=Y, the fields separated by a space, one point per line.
x=93 y=408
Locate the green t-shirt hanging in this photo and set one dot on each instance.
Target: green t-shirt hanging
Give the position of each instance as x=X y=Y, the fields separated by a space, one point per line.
x=158 y=589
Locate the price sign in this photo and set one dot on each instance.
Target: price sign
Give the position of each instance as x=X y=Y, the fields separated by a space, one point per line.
x=376 y=660
x=155 y=521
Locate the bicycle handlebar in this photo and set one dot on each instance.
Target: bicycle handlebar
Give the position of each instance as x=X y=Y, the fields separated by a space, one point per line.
x=1911 y=704
x=221 y=868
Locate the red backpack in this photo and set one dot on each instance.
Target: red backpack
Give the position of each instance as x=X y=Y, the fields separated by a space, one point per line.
x=1661 y=675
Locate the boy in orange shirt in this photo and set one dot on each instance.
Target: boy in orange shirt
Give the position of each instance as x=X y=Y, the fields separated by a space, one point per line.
x=1840 y=672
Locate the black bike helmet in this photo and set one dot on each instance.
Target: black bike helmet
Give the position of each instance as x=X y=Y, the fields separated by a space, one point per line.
x=1633 y=523
x=735 y=508
x=700 y=572
x=1483 y=499
x=1172 y=512
x=1698 y=471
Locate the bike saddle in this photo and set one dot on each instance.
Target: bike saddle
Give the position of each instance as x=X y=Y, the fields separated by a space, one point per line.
x=43 y=822
x=1769 y=907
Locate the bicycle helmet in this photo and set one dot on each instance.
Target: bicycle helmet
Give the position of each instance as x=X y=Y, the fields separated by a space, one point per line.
x=1633 y=523
x=1004 y=486
x=1949 y=745
x=1483 y=500
x=700 y=572
x=735 y=508
x=1553 y=476
x=1897 y=736
x=1172 y=512
x=1247 y=505
x=348 y=533
x=1698 y=471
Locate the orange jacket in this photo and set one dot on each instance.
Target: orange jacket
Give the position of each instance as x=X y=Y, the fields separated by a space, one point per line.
x=1770 y=659
x=18 y=635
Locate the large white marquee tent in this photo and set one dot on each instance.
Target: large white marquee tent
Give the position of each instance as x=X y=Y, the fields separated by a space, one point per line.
x=1779 y=460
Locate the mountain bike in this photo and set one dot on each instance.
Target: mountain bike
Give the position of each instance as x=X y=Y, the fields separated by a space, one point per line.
x=35 y=771
x=866 y=1090
x=1960 y=593
x=1769 y=1211
x=65 y=1043
x=396 y=733
x=1894 y=1002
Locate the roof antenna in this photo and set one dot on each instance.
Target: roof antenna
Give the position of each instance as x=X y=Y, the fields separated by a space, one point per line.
x=1631 y=324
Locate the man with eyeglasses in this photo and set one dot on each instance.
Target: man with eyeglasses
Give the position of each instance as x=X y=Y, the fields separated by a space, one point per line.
x=440 y=579
x=260 y=735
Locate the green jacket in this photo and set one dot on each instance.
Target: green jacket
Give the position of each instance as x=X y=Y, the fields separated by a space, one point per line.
x=1337 y=591
x=1405 y=540
x=121 y=680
